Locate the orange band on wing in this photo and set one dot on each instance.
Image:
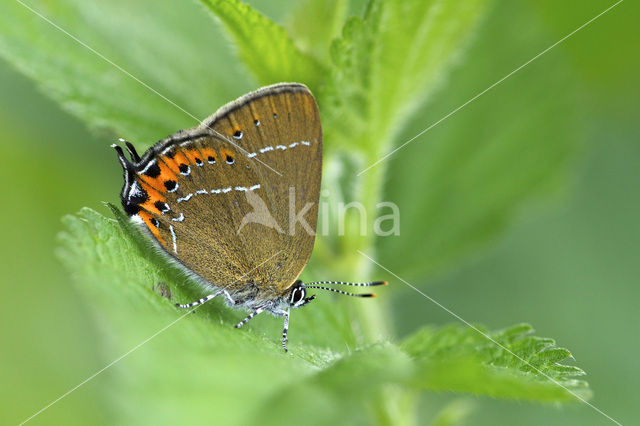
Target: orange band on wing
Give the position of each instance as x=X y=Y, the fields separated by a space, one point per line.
x=146 y=217
x=224 y=152
x=158 y=182
x=209 y=154
x=193 y=155
x=180 y=158
x=153 y=197
x=171 y=163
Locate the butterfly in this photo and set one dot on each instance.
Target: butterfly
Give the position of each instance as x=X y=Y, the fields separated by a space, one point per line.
x=234 y=201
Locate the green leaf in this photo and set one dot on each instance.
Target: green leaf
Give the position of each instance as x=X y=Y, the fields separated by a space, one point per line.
x=265 y=48
x=171 y=53
x=384 y=66
x=191 y=365
x=199 y=364
x=342 y=393
x=460 y=359
x=126 y=256
x=387 y=63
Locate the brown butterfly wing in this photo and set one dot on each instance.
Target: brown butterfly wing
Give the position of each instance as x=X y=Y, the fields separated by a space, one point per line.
x=219 y=198
x=280 y=129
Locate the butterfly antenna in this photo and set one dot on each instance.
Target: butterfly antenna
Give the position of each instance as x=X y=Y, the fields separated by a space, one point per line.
x=132 y=150
x=346 y=293
x=124 y=161
x=371 y=284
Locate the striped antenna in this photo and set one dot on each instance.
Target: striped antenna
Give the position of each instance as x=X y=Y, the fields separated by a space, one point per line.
x=346 y=293
x=351 y=284
x=132 y=150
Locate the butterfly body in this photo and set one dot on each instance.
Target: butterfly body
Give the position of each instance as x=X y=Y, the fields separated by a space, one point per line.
x=220 y=198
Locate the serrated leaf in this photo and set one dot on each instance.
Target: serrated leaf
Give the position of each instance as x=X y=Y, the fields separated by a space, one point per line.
x=189 y=366
x=264 y=46
x=458 y=358
x=200 y=363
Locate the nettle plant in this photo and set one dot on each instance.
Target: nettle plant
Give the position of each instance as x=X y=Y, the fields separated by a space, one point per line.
x=371 y=75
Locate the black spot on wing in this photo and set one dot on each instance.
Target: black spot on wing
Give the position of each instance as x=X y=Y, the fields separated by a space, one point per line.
x=162 y=206
x=152 y=171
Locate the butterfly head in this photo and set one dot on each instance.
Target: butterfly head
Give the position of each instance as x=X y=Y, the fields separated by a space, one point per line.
x=298 y=296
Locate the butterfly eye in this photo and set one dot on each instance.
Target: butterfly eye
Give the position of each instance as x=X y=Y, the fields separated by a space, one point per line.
x=297 y=296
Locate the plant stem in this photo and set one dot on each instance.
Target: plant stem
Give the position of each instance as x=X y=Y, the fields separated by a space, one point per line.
x=395 y=405
x=373 y=317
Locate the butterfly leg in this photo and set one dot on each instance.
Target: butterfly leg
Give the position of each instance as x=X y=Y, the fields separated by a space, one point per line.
x=229 y=299
x=201 y=301
x=285 y=330
x=251 y=315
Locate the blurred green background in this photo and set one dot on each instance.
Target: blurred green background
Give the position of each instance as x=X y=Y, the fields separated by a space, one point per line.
x=568 y=263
